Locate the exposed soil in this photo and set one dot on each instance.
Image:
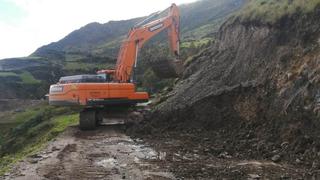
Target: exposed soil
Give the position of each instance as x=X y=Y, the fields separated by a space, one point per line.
x=253 y=94
x=108 y=153
x=194 y=156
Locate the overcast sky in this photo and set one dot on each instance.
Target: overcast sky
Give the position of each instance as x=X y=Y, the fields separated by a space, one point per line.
x=26 y=25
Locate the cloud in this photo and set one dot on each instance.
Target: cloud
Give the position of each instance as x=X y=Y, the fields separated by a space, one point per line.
x=47 y=21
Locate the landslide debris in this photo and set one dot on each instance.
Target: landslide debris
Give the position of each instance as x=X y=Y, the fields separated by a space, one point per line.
x=254 y=93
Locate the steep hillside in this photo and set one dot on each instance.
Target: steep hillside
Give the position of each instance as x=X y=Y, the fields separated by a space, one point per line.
x=95 y=46
x=254 y=93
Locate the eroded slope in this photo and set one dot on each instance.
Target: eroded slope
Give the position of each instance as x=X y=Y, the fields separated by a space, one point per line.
x=254 y=93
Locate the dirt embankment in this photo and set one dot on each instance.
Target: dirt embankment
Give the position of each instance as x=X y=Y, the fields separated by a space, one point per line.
x=254 y=94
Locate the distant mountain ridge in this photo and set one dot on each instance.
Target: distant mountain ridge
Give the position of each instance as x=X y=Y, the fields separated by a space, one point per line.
x=104 y=39
x=95 y=46
x=87 y=38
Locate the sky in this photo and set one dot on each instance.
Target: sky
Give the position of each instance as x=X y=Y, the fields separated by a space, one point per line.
x=25 y=25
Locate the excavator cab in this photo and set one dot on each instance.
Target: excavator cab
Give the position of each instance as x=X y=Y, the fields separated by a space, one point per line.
x=85 y=78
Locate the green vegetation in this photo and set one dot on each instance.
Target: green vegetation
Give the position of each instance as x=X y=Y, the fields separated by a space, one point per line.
x=7 y=74
x=269 y=11
x=73 y=57
x=191 y=48
x=31 y=131
x=196 y=43
x=21 y=117
x=111 y=47
x=28 y=78
x=82 y=66
x=25 y=76
x=31 y=58
x=203 y=31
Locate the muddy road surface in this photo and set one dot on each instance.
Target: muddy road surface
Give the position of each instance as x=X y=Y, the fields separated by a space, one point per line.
x=106 y=153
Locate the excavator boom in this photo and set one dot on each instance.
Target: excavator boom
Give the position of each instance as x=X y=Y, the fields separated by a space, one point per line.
x=138 y=36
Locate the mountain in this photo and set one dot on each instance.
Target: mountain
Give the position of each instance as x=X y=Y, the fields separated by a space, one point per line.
x=104 y=39
x=92 y=38
x=95 y=46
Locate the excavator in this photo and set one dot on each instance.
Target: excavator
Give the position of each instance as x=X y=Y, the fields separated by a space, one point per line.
x=100 y=94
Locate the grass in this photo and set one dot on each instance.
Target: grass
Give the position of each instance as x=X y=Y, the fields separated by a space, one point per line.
x=7 y=74
x=26 y=77
x=72 y=66
x=20 y=117
x=112 y=44
x=34 y=128
x=269 y=11
x=196 y=43
x=202 y=31
x=74 y=57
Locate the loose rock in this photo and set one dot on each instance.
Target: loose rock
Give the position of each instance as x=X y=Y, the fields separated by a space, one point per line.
x=276 y=158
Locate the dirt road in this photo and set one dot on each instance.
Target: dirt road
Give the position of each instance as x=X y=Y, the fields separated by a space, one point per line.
x=106 y=153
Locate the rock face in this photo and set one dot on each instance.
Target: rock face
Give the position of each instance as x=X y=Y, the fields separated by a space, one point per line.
x=256 y=54
x=258 y=83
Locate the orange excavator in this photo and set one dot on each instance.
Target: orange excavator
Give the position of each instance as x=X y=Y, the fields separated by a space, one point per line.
x=116 y=87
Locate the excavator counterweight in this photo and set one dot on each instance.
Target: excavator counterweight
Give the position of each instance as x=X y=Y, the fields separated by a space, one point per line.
x=115 y=87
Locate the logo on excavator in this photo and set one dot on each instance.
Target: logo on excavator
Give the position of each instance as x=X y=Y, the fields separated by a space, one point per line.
x=55 y=89
x=156 y=27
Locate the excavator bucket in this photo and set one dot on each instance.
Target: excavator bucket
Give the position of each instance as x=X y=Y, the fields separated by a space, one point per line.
x=166 y=68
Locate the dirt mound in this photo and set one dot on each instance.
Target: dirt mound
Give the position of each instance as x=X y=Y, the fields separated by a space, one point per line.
x=254 y=93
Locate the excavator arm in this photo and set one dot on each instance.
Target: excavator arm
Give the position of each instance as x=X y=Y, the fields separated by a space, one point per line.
x=138 y=36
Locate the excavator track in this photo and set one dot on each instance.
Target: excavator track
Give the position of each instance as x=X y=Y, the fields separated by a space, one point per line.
x=90 y=118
